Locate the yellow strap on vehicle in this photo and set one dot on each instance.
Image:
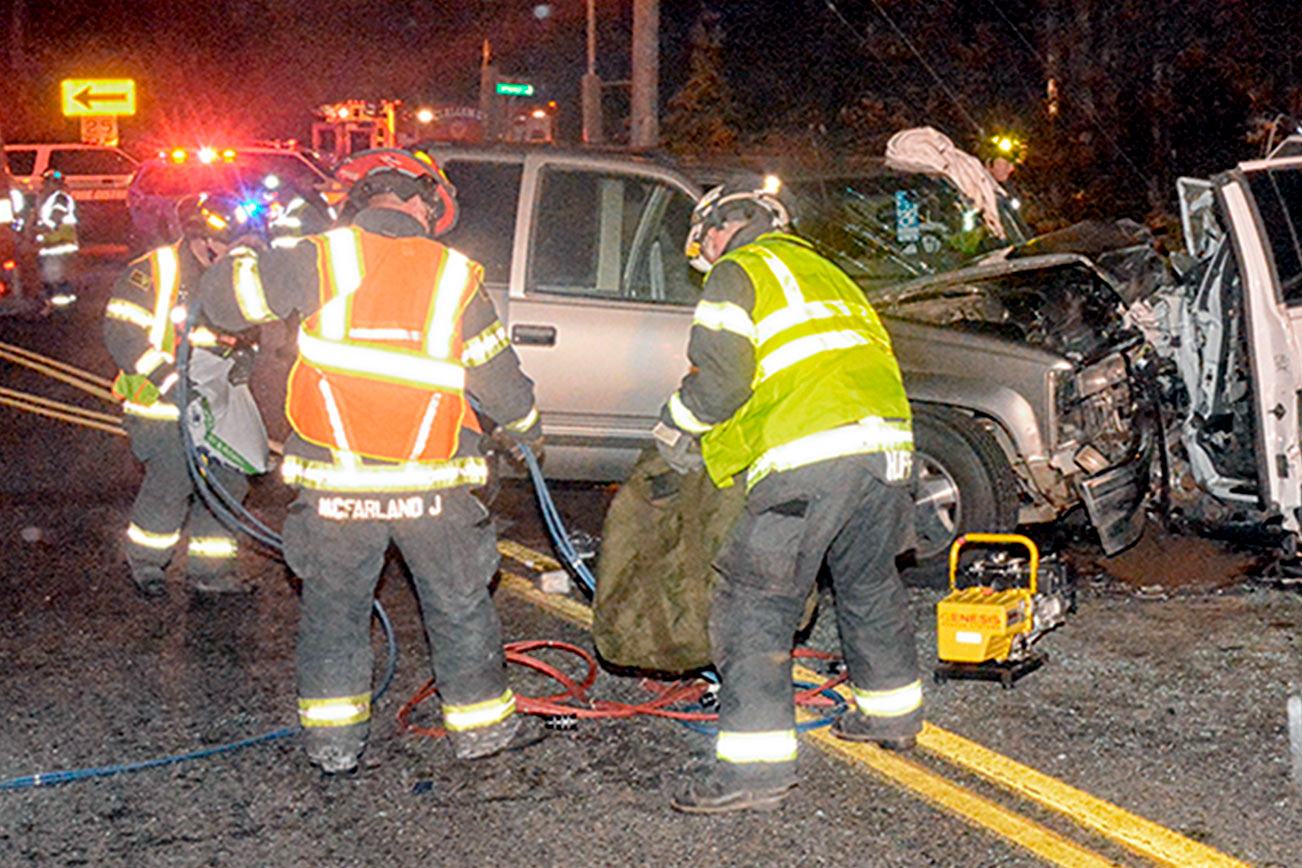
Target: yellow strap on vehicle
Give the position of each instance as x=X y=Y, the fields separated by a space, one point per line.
x=896 y=702
x=773 y=746
x=151 y=540
x=334 y=711
x=412 y=476
x=477 y=715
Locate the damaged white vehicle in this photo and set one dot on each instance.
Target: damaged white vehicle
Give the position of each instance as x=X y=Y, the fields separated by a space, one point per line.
x=1231 y=332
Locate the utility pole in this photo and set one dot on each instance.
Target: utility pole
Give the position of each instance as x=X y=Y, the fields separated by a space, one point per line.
x=488 y=94
x=645 y=132
x=591 y=89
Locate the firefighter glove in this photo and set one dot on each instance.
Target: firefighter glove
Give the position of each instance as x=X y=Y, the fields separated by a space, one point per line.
x=505 y=442
x=136 y=388
x=241 y=370
x=678 y=448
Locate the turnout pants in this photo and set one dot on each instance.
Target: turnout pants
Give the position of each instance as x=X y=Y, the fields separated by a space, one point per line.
x=336 y=543
x=165 y=498
x=839 y=511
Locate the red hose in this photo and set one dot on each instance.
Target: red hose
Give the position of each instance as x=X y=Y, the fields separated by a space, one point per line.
x=573 y=699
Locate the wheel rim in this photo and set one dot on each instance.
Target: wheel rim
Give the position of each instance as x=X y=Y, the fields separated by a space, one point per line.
x=937 y=507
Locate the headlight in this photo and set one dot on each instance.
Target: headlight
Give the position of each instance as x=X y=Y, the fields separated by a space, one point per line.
x=1101 y=375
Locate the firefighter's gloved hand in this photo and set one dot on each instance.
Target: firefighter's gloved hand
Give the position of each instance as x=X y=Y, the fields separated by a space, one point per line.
x=137 y=389
x=678 y=448
x=509 y=444
x=241 y=370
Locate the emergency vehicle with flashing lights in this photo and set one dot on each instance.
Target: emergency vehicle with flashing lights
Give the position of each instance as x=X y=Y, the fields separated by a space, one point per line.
x=249 y=172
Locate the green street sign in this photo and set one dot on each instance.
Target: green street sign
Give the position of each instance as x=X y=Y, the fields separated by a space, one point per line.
x=514 y=88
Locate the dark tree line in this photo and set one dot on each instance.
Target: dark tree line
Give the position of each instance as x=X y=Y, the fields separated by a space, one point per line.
x=1115 y=98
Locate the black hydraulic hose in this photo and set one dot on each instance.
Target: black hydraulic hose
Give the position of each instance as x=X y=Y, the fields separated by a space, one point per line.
x=233 y=514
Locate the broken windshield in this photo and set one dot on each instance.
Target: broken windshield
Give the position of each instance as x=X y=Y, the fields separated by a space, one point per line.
x=888 y=227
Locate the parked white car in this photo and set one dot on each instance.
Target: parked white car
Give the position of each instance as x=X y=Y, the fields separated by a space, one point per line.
x=94 y=173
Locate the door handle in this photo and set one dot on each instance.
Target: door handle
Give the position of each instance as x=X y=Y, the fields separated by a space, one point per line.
x=525 y=334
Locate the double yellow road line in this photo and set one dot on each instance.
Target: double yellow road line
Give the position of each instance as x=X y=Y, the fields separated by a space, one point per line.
x=1131 y=831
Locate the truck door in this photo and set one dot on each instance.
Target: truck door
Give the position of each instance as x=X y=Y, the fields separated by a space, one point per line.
x=1262 y=204
x=600 y=320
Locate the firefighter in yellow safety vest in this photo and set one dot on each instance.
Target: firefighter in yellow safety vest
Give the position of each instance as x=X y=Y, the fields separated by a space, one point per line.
x=795 y=393
x=396 y=331
x=141 y=325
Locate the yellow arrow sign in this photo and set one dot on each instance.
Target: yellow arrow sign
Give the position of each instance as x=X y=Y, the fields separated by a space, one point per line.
x=93 y=97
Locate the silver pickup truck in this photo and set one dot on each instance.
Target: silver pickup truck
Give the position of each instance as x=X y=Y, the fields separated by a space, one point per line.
x=1026 y=380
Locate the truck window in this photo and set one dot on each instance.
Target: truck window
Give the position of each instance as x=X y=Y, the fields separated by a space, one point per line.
x=487 y=194
x=89 y=161
x=610 y=236
x=658 y=270
x=22 y=161
x=1278 y=194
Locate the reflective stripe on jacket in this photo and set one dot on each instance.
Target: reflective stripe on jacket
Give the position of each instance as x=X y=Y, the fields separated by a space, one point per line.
x=823 y=361
x=379 y=372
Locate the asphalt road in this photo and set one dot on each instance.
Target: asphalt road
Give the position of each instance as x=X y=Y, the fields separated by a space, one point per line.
x=1171 y=707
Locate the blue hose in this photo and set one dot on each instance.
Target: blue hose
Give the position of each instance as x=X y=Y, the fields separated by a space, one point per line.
x=556 y=526
x=235 y=516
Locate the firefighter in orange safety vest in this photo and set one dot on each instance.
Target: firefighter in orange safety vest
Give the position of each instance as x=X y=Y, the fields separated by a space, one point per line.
x=140 y=331
x=396 y=331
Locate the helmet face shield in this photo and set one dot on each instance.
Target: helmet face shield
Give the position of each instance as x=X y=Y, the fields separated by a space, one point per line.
x=703 y=218
x=692 y=249
x=747 y=198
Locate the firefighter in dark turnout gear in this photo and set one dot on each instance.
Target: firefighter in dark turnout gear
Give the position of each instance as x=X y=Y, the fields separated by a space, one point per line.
x=55 y=228
x=141 y=322
x=396 y=330
x=795 y=393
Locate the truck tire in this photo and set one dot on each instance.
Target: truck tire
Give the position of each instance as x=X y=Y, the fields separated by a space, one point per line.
x=963 y=484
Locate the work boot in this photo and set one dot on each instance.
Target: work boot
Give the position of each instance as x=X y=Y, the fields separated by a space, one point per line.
x=333 y=759
x=854 y=726
x=225 y=583
x=720 y=792
x=517 y=732
x=149 y=581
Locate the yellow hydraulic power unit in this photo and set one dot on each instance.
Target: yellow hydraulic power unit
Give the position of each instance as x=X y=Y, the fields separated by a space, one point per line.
x=997 y=609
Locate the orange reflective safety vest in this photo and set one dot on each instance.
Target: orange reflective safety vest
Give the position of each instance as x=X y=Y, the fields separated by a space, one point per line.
x=379 y=370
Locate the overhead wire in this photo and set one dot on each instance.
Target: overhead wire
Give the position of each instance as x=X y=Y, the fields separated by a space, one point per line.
x=903 y=37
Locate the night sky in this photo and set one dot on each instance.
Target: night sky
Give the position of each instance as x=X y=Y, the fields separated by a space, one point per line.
x=1151 y=90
